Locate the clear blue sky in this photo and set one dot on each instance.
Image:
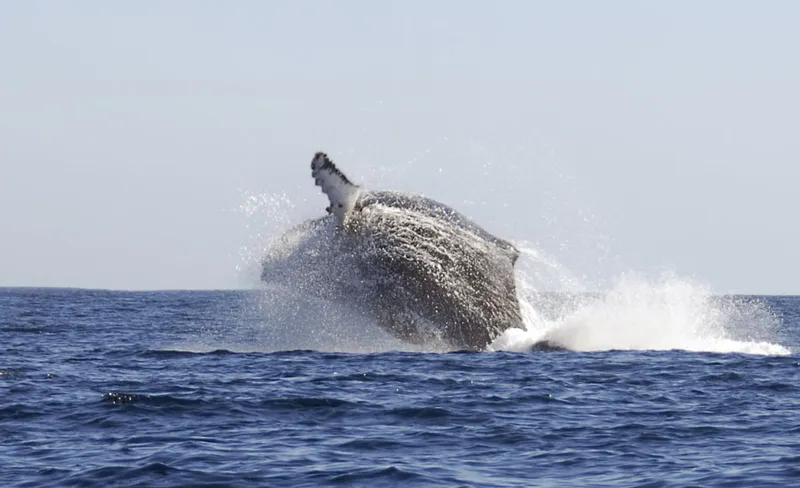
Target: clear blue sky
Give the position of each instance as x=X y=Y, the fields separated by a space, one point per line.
x=644 y=134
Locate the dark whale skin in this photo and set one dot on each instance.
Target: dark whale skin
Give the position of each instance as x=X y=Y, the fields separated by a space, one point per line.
x=422 y=270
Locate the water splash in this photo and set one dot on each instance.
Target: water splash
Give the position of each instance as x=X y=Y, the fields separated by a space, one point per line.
x=636 y=312
x=282 y=315
x=266 y=216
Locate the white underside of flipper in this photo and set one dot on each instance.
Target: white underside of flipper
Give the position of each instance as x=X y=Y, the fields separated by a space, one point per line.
x=342 y=194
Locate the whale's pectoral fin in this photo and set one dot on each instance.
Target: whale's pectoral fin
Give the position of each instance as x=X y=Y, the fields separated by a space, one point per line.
x=342 y=194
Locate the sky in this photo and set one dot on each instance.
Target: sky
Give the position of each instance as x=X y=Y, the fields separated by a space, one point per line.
x=610 y=136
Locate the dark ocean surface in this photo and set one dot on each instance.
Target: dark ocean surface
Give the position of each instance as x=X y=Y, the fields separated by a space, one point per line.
x=102 y=388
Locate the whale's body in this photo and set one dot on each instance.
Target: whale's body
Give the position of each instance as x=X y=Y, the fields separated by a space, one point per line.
x=422 y=270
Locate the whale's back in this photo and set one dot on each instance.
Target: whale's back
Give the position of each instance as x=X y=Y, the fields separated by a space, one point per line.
x=438 y=267
x=435 y=210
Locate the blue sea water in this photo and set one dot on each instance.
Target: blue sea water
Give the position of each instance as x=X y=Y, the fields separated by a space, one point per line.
x=102 y=388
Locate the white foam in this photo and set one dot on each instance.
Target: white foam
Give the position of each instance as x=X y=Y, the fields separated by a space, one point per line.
x=640 y=313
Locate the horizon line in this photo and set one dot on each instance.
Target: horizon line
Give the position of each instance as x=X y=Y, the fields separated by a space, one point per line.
x=173 y=290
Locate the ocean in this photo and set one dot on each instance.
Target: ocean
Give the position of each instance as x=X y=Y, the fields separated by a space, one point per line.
x=666 y=385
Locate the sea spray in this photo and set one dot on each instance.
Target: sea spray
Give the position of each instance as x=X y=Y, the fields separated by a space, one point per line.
x=266 y=216
x=635 y=312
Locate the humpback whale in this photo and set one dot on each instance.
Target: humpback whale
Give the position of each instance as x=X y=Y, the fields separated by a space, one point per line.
x=421 y=270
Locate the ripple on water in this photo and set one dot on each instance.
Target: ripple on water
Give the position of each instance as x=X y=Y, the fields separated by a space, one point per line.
x=98 y=402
